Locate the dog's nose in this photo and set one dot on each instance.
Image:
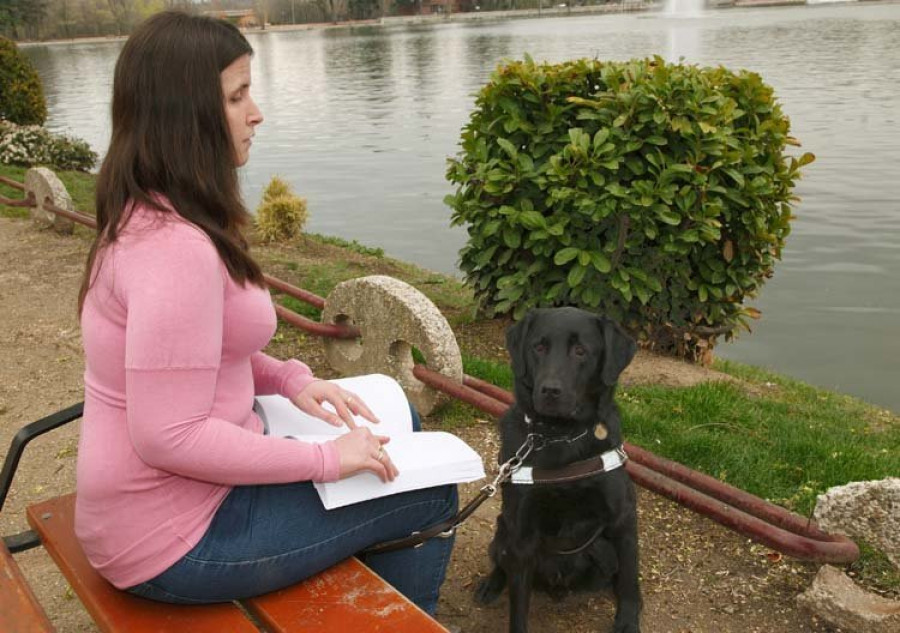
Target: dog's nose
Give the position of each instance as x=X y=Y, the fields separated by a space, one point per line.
x=551 y=390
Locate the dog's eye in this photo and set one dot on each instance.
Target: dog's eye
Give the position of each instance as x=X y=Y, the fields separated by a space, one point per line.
x=579 y=350
x=540 y=348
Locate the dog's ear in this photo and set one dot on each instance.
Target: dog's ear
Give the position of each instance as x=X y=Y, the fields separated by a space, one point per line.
x=620 y=348
x=516 y=336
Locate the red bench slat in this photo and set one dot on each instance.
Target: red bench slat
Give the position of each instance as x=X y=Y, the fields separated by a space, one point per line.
x=20 y=611
x=347 y=597
x=114 y=610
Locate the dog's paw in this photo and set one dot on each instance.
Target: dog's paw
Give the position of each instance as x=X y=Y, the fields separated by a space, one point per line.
x=490 y=588
x=628 y=627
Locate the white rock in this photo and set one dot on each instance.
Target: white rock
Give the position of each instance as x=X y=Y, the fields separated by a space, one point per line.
x=864 y=510
x=834 y=598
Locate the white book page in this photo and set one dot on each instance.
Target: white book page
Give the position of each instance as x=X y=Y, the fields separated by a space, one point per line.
x=382 y=394
x=425 y=459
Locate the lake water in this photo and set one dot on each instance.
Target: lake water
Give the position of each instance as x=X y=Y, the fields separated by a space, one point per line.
x=361 y=122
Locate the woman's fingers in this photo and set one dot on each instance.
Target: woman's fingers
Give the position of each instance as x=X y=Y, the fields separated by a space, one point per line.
x=360 y=450
x=342 y=406
x=315 y=409
x=357 y=406
x=387 y=471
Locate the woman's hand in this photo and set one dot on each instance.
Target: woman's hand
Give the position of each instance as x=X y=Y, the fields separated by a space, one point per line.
x=360 y=450
x=345 y=403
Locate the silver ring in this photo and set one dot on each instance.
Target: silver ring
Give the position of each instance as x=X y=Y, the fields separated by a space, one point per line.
x=349 y=400
x=380 y=455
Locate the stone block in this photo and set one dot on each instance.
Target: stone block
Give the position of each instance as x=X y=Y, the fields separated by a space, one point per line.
x=834 y=598
x=393 y=317
x=46 y=188
x=864 y=510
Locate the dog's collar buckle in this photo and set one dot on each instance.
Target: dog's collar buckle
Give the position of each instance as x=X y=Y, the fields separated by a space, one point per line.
x=525 y=475
x=615 y=458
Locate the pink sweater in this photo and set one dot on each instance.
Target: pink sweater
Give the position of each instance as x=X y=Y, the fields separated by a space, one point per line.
x=172 y=347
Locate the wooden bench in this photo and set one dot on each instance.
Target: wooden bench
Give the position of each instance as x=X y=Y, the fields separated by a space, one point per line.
x=19 y=609
x=347 y=597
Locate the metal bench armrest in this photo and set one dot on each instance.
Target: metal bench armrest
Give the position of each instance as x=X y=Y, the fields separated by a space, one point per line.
x=28 y=539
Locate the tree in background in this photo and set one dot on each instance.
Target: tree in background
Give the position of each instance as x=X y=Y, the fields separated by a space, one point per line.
x=21 y=93
x=66 y=19
x=21 y=18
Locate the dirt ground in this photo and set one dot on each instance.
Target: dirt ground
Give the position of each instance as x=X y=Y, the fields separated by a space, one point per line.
x=697 y=577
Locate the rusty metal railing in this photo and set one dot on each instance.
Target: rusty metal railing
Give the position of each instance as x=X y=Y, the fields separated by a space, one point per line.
x=15 y=184
x=736 y=509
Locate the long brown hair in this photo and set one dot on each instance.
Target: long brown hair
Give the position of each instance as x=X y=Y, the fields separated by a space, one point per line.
x=170 y=136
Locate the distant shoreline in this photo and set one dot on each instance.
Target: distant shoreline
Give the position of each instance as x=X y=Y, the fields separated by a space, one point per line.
x=628 y=6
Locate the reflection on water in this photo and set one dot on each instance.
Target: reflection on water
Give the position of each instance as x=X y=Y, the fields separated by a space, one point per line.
x=361 y=121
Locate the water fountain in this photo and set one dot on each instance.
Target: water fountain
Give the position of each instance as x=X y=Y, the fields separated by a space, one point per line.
x=685 y=8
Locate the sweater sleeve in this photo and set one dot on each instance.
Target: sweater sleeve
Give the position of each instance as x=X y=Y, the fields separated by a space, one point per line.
x=285 y=378
x=173 y=289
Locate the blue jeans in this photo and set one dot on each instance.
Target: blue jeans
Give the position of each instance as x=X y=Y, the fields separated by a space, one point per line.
x=267 y=537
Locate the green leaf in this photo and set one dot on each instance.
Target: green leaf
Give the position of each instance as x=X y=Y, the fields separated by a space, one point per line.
x=566 y=255
x=642 y=294
x=508 y=147
x=668 y=216
x=491 y=227
x=532 y=220
x=600 y=262
x=600 y=138
x=526 y=163
x=735 y=175
x=576 y=274
x=511 y=237
x=557 y=229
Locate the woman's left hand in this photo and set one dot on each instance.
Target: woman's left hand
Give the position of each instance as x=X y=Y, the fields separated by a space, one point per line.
x=345 y=403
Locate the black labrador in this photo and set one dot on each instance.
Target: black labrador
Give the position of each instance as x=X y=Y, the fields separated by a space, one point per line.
x=578 y=535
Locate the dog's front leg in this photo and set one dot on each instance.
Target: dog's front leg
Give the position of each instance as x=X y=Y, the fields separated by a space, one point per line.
x=626 y=584
x=520 y=594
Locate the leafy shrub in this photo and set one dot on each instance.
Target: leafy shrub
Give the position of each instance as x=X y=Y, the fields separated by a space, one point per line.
x=21 y=94
x=33 y=145
x=659 y=194
x=281 y=215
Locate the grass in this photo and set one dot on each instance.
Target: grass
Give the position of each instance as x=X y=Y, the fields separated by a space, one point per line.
x=80 y=186
x=787 y=448
x=499 y=374
x=351 y=245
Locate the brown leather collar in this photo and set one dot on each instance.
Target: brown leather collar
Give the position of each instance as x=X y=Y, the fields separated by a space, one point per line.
x=603 y=463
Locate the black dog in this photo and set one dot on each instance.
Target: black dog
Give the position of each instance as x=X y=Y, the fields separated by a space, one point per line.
x=560 y=537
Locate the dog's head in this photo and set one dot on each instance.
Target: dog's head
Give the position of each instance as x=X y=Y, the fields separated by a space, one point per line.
x=565 y=359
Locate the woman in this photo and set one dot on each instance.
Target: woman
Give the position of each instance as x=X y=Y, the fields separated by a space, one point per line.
x=181 y=495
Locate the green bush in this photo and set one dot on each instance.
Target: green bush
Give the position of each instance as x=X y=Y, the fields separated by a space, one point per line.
x=21 y=94
x=658 y=194
x=33 y=145
x=281 y=215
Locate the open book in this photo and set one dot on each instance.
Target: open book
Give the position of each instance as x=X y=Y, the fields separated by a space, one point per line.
x=424 y=459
